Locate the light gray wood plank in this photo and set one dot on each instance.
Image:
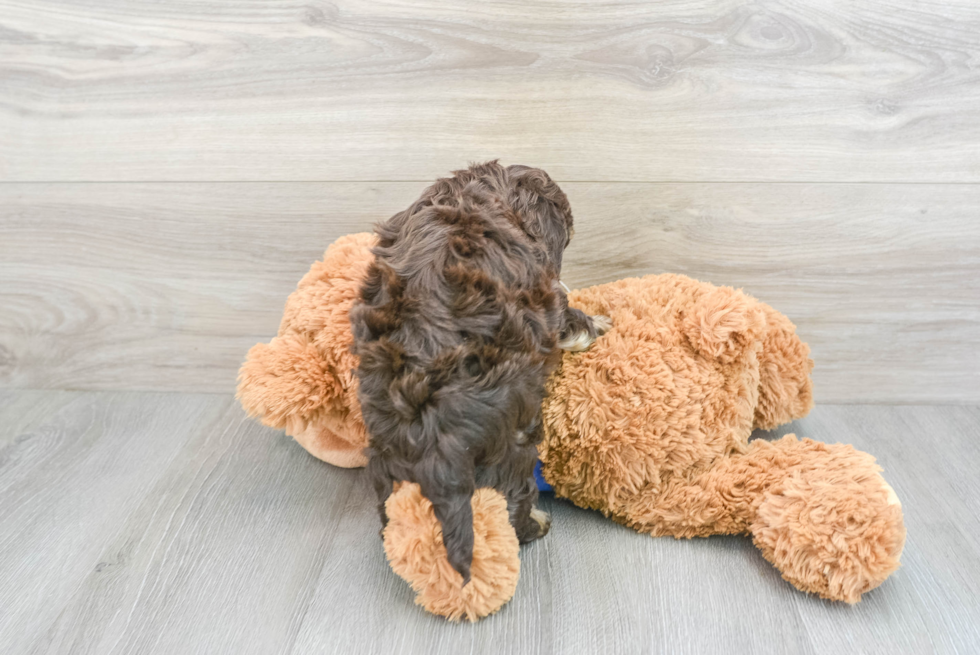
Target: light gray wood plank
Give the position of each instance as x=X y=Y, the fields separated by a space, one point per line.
x=68 y=481
x=161 y=287
x=702 y=90
x=21 y=410
x=156 y=523
x=160 y=523
x=235 y=538
x=166 y=286
x=883 y=281
x=930 y=456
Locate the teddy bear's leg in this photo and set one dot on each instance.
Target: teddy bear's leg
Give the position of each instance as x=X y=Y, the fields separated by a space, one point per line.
x=822 y=514
x=832 y=525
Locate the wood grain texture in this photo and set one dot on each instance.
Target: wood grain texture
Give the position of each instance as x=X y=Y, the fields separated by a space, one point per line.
x=70 y=480
x=166 y=286
x=139 y=523
x=693 y=90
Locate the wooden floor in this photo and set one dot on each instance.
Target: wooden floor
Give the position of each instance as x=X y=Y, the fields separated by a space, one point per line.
x=169 y=523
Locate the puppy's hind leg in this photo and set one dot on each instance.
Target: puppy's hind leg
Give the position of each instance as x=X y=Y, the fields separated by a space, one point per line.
x=529 y=522
x=515 y=479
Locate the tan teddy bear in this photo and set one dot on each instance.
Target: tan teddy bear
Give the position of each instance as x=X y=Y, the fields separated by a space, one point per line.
x=303 y=380
x=651 y=427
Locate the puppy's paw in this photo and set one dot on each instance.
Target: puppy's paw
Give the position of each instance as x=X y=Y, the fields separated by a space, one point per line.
x=602 y=324
x=576 y=341
x=543 y=519
x=534 y=526
x=583 y=339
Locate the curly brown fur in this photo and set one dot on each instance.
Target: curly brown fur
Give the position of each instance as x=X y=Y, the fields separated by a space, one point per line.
x=457 y=328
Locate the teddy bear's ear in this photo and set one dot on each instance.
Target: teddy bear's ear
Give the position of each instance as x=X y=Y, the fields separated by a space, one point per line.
x=285 y=382
x=723 y=324
x=785 y=386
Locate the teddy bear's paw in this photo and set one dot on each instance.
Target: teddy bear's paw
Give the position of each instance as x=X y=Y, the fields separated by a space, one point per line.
x=836 y=531
x=413 y=544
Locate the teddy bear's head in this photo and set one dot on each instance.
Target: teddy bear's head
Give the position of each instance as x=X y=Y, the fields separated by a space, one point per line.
x=303 y=380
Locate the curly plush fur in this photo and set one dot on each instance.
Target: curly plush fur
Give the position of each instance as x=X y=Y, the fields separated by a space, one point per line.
x=414 y=546
x=651 y=427
x=303 y=381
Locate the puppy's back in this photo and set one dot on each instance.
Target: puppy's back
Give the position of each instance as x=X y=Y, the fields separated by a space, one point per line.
x=454 y=334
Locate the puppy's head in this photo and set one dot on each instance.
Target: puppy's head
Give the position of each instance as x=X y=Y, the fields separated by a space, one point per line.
x=529 y=197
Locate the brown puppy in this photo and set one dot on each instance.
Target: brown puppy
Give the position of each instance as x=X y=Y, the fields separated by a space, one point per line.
x=460 y=320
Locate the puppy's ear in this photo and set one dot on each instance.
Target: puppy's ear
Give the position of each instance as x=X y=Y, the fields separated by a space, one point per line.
x=543 y=208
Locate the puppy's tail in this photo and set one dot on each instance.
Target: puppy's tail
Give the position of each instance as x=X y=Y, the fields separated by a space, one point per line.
x=447 y=480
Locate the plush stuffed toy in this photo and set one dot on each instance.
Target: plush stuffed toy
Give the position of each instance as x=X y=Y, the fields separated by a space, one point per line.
x=650 y=427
